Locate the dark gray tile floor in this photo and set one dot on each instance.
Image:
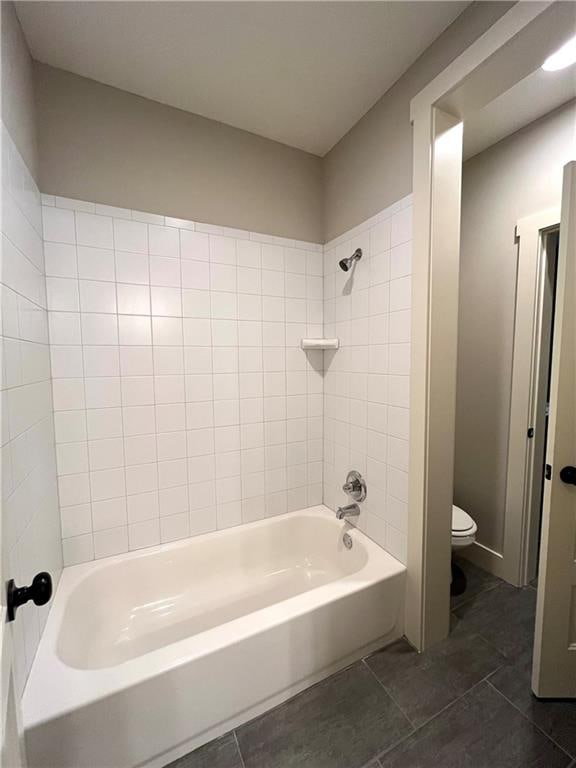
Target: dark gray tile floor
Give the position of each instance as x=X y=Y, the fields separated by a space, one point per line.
x=221 y=753
x=479 y=729
x=465 y=703
x=477 y=581
x=345 y=720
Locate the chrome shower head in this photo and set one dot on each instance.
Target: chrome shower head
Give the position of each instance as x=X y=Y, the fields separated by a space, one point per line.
x=345 y=264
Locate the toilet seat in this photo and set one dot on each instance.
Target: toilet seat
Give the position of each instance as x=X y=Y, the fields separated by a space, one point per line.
x=463 y=528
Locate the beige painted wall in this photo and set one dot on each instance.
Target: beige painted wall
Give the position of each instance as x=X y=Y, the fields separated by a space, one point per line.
x=103 y=144
x=18 y=109
x=100 y=143
x=371 y=167
x=519 y=176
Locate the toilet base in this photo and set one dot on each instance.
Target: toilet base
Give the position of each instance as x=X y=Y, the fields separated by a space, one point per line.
x=458 y=583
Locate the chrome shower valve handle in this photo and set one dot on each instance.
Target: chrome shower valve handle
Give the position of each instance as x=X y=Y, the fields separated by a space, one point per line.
x=355 y=486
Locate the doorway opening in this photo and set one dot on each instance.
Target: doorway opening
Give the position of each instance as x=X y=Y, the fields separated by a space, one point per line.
x=440 y=114
x=550 y=243
x=507 y=275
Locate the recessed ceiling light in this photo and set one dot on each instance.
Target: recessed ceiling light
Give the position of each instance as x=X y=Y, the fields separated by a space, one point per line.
x=563 y=57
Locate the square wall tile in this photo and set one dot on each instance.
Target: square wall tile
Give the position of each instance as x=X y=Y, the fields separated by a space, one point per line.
x=180 y=387
x=366 y=386
x=58 y=225
x=93 y=230
x=130 y=236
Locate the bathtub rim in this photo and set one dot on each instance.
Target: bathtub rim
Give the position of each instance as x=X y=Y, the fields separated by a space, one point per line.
x=90 y=685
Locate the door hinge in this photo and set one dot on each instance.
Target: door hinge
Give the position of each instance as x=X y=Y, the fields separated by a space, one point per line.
x=530 y=432
x=548 y=472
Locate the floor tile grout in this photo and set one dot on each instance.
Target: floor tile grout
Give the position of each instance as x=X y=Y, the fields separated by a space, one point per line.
x=352 y=664
x=430 y=719
x=416 y=728
x=482 y=591
x=294 y=696
x=238 y=748
x=477 y=631
x=419 y=728
x=525 y=716
x=508 y=659
x=388 y=693
x=372 y=763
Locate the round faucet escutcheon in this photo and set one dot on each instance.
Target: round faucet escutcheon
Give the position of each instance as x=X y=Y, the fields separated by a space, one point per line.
x=355 y=486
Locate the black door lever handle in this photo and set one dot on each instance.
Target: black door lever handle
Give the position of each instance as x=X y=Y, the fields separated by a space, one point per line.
x=40 y=591
x=568 y=475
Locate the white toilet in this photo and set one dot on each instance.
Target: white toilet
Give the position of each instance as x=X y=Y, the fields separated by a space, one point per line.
x=463 y=528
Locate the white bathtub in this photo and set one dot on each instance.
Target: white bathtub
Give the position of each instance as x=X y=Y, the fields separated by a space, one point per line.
x=148 y=655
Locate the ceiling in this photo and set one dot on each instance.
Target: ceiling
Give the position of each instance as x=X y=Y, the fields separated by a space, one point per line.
x=302 y=73
x=531 y=98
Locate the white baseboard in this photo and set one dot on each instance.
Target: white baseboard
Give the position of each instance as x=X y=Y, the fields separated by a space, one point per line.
x=485 y=558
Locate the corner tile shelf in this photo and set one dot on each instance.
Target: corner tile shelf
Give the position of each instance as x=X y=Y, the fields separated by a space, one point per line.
x=320 y=343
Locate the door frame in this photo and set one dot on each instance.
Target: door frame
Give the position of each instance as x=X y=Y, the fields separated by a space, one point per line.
x=512 y=48
x=520 y=556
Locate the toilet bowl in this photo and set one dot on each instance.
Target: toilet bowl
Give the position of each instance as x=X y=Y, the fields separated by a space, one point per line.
x=463 y=528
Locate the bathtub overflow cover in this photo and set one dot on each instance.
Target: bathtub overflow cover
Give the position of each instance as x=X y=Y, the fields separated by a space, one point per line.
x=347 y=539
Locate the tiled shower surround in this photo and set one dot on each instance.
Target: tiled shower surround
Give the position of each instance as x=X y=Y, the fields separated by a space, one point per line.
x=183 y=402
x=367 y=381
x=31 y=528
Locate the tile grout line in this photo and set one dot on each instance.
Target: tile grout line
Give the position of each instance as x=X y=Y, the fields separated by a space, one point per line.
x=85 y=408
x=372 y=763
x=478 y=633
x=525 y=716
x=473 y=597
x=484 y=679
x=387 y=692
x=430 y=719
x=74 y=277
x=243 y=764
x=120 y=377
x=509 y=660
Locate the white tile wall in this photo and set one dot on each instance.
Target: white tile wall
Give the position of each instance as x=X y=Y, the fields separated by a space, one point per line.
x=30 y=520
x=182 y=400
x=366 y=387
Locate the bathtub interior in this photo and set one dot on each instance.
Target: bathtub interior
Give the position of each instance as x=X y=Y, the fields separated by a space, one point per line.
x=138 y=604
